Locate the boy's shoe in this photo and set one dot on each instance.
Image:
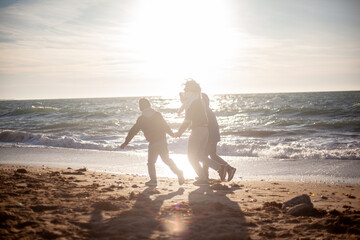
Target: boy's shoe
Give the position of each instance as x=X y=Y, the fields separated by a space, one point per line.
x=151 y=183
x=181 y=178
x=231 y=171
x=201 y=182
x=222 y=172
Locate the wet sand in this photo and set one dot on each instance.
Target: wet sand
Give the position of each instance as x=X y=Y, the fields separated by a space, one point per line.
x=53 y=203
x=132 y=162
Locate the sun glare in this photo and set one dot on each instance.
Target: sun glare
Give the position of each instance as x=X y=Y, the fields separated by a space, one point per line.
x=180 y=39
x=181 y=162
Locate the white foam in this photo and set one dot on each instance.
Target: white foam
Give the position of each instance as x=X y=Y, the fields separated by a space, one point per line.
x=18 y=137
x=276 y=150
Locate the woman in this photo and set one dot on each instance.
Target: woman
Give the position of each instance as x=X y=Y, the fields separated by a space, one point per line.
x=196 y=119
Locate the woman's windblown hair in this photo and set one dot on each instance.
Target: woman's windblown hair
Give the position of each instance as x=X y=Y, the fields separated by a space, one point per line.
x=192 y=86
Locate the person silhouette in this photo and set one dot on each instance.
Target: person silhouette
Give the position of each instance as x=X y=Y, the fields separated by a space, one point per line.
x=155 y=129
x=214 y=138
x=195 y=117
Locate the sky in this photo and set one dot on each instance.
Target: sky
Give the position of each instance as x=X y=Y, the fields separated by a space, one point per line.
x=106 y=48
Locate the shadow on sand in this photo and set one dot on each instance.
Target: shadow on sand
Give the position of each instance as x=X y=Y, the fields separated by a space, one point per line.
x=215 y=216
x=207 y=214
x=140 y=222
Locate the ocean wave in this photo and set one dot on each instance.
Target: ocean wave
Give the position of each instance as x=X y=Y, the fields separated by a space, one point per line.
x=258 y=133
x=345 y=124
x=326 y=112
x=81 y=126
x=288 y=152
x=78 y=113
x=31 y=110
x=19 y=137
x=277 y=150
x=60 y=126
x=356 y=105
x=15 y=136
x=68 y=113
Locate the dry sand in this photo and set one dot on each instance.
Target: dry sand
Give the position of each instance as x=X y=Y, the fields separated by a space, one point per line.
x=44 y=203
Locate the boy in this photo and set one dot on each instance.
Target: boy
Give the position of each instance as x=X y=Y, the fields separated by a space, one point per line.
x=154 y=128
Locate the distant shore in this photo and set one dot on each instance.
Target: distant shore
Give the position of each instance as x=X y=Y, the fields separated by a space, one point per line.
x=68 y=203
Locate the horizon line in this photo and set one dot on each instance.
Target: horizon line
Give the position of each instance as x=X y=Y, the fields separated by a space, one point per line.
x=139 y=96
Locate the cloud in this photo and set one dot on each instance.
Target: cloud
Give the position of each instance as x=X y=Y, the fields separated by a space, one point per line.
x=143 y=41
x=61 y=36
x=7 y=3
x=6 y=39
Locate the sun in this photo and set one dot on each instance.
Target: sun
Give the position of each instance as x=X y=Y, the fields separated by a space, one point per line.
x=180 y=39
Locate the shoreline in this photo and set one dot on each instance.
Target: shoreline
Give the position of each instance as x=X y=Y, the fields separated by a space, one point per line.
x=123 y=162
x=64 y=203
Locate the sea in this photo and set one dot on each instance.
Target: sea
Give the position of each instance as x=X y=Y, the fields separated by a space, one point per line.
x=310 y=126
x=301 y=137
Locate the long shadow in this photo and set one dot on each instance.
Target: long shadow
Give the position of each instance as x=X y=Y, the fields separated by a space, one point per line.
x=142 y=221
x=215 y=216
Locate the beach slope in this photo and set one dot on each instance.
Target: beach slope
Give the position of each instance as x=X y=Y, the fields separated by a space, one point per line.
x=50 y=203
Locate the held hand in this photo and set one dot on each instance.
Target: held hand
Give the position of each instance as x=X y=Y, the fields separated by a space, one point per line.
x=123 y=146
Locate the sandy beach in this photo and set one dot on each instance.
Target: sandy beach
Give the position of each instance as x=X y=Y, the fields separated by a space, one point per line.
x=93 y=94
x=53 y=203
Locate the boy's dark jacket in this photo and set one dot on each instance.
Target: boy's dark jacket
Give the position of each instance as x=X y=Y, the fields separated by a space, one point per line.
x=153 y=126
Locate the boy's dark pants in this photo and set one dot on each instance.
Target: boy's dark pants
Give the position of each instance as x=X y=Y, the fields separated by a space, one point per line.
x=211 y=151
x=159 y=148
